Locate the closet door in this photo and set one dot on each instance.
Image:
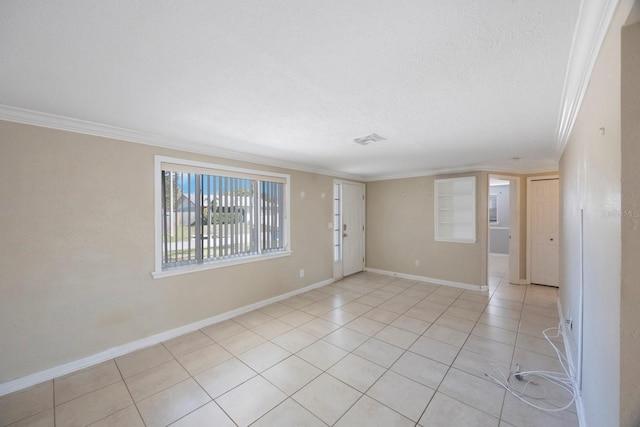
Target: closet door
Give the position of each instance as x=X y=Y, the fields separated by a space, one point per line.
x=544 y=231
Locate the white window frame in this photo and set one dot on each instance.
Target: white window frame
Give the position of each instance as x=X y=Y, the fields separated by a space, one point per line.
x=173 y=271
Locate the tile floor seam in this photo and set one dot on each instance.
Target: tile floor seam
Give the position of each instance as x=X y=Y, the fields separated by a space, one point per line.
x=510 y=363
x=370 y=386
x=504 y=399
x=225 y=412
x=297 y=390
x=375 y=400
x=53 y=397
x=470 y=406
x=93 y=391
x=275 y=407
x=451 y=367
x=428 y=403
x=234 y=387
x=128 y=391
x=191 y=412
x=160 y=391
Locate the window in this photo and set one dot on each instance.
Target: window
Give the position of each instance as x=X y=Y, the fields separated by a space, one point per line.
x=493 y=208
x=208 y=216
x=455 y=209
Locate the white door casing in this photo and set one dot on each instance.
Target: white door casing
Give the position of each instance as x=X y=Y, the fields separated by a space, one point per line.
x=353 y=206
x=543 y=226
x=514 y=231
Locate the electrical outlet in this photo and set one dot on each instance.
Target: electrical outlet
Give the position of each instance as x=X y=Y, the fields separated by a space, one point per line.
x=302 y=272
x=417 y=263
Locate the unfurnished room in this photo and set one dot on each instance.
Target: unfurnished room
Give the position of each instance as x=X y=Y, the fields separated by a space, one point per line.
x=338 y=213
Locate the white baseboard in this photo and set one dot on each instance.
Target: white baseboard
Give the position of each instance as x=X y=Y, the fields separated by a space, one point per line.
x=430 y=280
x=85 y=362
x=570 y=350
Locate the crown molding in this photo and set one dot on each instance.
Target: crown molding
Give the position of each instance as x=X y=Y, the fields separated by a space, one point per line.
x=52 y=121
x=538 y=167
x=593 y=23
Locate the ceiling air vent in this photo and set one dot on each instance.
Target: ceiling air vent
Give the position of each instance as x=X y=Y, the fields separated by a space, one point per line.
x=366 y=140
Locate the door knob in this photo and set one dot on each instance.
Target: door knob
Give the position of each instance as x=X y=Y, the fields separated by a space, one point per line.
x=344 y=234
x=551 y=239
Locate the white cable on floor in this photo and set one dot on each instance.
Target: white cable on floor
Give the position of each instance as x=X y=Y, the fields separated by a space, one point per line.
x=564 y=380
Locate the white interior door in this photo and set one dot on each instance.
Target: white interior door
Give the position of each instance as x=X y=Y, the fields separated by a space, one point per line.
x=544 y=223
x=352 y=228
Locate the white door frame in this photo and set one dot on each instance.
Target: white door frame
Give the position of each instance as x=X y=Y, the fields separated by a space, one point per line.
x=514 y=228
x=529 y=179
x=338 y=266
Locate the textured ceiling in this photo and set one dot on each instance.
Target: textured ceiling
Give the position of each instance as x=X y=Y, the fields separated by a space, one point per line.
x=450 y=84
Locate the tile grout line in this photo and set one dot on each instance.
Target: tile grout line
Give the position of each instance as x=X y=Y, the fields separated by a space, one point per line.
x=129 y=391
x=453 y=361
x=513 y=352
x=364 y=393
x=352 y=353
x=194 y=380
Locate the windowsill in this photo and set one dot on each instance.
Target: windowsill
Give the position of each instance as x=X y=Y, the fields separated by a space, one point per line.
x=175 y=271
x=451 y=240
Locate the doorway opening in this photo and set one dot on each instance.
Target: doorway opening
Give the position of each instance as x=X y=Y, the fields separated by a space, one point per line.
x=504 y=229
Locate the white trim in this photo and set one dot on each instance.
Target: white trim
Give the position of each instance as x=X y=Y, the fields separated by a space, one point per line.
x=340 y=264
x=53 y=121
x=176 y=271
x=592 y=26
x=497 y=254
x=217 y=167
x=85 y=362
x=338 y=272
x=545 y=166
x=569 y=349
x=529 y=179
x=498 y=228
x=429 y=280
x=159 y=272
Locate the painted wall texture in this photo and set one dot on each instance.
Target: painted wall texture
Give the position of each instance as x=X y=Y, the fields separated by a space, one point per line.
x=630 y=292
x=590 y=181
x=400 y=230
x=77 y=227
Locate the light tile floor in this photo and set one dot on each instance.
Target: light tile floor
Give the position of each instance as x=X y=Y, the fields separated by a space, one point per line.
x=370 y=350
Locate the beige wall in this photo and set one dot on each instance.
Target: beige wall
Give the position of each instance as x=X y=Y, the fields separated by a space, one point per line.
x=77 y=230
x=630 y=292
x=590 y=180
x=400 y=230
